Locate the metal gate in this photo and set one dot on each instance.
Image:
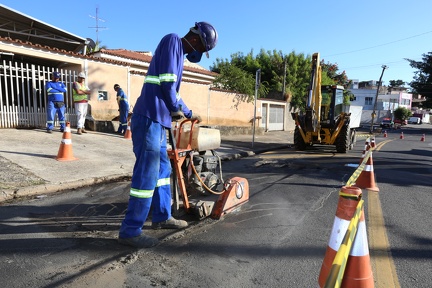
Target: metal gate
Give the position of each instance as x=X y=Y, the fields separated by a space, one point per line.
x=23 y=98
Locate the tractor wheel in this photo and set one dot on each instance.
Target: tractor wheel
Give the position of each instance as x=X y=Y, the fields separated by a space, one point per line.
x=343 y=140
x=299 y=143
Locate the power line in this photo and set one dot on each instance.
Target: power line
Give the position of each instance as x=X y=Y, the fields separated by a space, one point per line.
x=380 y=45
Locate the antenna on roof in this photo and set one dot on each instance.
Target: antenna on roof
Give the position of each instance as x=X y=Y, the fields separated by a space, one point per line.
x=97 y=27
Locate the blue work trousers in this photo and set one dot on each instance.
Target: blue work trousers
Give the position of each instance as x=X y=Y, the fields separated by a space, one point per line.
x=51 y=111
x=150 y=185
x=123 y=122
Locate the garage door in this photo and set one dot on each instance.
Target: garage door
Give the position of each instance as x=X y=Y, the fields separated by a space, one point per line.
x=276 y=117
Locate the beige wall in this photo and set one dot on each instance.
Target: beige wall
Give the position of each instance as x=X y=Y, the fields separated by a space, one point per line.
x=215 y=107
x=102 y=77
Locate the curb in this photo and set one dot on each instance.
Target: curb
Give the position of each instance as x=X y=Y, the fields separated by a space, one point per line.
x=11 y=194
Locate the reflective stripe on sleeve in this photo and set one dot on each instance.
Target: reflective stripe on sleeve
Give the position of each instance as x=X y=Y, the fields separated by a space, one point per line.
x=161 y=78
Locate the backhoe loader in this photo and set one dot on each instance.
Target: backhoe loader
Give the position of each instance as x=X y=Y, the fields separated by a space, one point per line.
x=326 y=119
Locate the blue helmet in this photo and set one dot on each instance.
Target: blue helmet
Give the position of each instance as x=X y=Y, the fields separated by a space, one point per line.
x=207 y=33
x=56 y=75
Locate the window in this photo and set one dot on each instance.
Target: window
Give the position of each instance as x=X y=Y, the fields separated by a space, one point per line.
x=368 y=100
x=102 y=95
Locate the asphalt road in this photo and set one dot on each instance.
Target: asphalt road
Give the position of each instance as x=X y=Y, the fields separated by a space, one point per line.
x=277 y=239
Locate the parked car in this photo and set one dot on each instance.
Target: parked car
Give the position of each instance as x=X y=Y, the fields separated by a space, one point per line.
x=401 y=122
x=414 y=120
x=387 y=123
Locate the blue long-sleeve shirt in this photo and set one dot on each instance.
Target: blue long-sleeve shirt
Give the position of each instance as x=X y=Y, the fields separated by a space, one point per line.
x=159 y=94
x=55 y=91
x=123 y=101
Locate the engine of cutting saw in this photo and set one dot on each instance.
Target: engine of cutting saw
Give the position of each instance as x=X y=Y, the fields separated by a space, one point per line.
x=205 y=176
x=198 y=185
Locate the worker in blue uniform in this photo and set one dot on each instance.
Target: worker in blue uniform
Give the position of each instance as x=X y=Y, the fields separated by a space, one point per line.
x=55 y=91
x=123 y=109
x=158 y=102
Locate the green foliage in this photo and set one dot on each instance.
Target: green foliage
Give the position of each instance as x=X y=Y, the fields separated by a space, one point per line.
x=236 y=79
x=402 y=113
x=422 y=83
x=396 y=83
x=332 y=72
x=238 y=74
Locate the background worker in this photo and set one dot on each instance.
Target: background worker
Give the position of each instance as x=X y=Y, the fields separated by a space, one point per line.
x=80 y=98
x=123 y=109
x=55 y=91
x=152 y=115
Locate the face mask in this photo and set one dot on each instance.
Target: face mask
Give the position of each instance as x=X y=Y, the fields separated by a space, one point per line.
x=194 y=56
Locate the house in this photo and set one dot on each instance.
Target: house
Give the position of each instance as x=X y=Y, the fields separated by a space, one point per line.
x=30 y=50
x=388 y=100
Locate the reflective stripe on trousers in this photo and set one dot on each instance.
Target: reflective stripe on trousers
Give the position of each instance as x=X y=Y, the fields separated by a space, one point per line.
x=150 y=179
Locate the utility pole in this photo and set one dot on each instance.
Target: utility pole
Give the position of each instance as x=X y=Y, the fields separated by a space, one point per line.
x=257 y=84
x=376 y=98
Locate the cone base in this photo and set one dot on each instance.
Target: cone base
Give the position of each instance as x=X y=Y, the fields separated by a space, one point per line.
x=66 y=159
x=373 y=189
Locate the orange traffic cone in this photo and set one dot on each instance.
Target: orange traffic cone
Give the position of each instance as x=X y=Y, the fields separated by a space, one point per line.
x=358 y=271
x=401 y=136
x=366 y=148
x=372 y=143
x=423 y=138
x=366 y=179
x=65 y=151
x=385 y=133
x=128 y=133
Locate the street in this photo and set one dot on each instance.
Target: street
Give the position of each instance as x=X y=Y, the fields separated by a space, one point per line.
x=277 y=239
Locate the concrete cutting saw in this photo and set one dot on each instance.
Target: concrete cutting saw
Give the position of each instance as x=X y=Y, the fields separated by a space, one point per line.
x=197 y=186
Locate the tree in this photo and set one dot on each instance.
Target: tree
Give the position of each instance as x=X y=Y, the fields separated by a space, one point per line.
x=238 y=74
x=337 y=79
x=402 y=113
x=396 y=83
x=422 y=83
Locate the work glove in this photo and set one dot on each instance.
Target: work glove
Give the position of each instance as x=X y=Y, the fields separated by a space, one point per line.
x=196 y=117
x=177 y=115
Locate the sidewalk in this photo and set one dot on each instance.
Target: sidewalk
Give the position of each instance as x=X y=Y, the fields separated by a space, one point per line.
x=28 y=165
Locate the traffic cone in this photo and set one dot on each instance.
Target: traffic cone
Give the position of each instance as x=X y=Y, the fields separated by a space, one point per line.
x=358 y=271
x=128 y=133
x=366 y=148
x=65 y=152
x=385 y=133
x=372 y=143
x=401 y=136
x=423 y=138
x=366 y=179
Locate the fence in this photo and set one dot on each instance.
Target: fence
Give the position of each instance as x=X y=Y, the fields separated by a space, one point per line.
x=23 y=98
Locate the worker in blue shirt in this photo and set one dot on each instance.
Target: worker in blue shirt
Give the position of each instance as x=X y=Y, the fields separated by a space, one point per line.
x=123 y=109
x=55 y=91
x=158 y=102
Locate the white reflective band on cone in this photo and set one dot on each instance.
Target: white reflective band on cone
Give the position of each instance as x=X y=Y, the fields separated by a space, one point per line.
x=67 y=141
x=360 y=245
x=368 y=168
x=68 y=129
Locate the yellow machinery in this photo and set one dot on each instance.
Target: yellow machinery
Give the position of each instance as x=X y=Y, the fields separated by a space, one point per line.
x=326 y=120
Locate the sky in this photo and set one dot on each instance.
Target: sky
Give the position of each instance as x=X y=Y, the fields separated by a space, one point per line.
x=359 y=36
